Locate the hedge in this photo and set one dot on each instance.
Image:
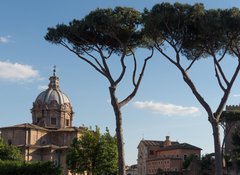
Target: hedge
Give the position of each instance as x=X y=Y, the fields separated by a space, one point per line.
x=22 y=168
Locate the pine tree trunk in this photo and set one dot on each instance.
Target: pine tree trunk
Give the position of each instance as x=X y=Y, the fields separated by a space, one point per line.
x=217 y=149
x=119 y=132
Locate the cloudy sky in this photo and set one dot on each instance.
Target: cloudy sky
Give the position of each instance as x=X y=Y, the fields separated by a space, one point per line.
x=163 y=106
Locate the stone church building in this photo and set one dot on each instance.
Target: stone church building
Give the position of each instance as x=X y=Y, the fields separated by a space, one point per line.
x=51 y=132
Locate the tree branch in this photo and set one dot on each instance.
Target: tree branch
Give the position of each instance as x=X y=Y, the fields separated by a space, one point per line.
x=227 y=92
x=123 y=67
x=95 y=59
x=192 y=62
x=128 y=98
x=79 y=43
x=235 y=52
x=224 y=53
x=134 y=69
x=83 y=58
x=189 y=82
x=195 y=92
x=109 y=54
x=218 y=78
x=171 y=43
x=219 y=68
x=106 y=68
x=165 y=55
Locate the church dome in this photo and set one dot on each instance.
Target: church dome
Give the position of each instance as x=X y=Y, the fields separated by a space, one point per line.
x=53 y=93
x=49 y=95
x=52 y=108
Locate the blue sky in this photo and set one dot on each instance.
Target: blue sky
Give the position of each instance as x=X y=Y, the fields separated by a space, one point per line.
x=163 y=106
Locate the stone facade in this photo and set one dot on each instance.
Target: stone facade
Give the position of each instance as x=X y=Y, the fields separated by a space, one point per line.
x=132 y=170
x=165 y=155
x=51 y=132
x=230 y=127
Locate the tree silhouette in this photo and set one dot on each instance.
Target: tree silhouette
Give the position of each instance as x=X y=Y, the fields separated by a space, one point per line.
x=102 y=35
x=193 y=32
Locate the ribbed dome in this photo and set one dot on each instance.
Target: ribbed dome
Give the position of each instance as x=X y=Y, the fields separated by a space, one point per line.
x=53 y=93
x=49 y=95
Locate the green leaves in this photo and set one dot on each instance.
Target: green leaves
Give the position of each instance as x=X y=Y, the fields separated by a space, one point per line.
x=23 y=168
x=9 y=152
x=193 y=30
x=94 y=153
x=110 y=29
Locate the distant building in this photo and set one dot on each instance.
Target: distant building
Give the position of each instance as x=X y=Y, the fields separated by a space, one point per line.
x=51 y=132
x=163 y=155
x=230 y=126
x=132 y=170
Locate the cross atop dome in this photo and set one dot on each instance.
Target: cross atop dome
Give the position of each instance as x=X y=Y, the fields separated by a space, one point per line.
x=54 y=70
x=54 y=80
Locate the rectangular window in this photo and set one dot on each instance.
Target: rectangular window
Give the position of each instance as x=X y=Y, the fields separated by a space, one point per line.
x=38 y=119
x=67 y=122
x=53 y=121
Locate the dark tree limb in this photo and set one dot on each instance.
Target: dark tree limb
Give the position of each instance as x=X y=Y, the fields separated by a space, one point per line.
x=83 y=58
x=165 y=55
x=134 y=69
x=106 y=68
x=128 y=98
x=189 y=82
x=218 y=79
x=95 y=59
x=226 y=93
x=216 y=62
x=123 y=67
x=192 y=62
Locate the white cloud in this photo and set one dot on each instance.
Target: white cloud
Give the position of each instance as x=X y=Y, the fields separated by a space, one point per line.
x=4 y=39
x=17 y=72
x=167 y=109
x=42 y=87
x=236 y=95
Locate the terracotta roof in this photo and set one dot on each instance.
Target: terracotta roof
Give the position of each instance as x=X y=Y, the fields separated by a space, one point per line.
x=175 y=145
x=180 y=146
x=163 y=158
x=152 y=143
x=69 y=129
x=32 y=126
x=25 y=125
x=44 y=146
x=155 y=143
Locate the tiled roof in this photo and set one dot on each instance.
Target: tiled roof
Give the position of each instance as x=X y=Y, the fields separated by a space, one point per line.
x=25 y=125
x=32 y=126
x=69 y=129
x=152 y=143
x=180 y=146
x=174 y=145
x=155 y=143
x=44 y=146
x=163 y=158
